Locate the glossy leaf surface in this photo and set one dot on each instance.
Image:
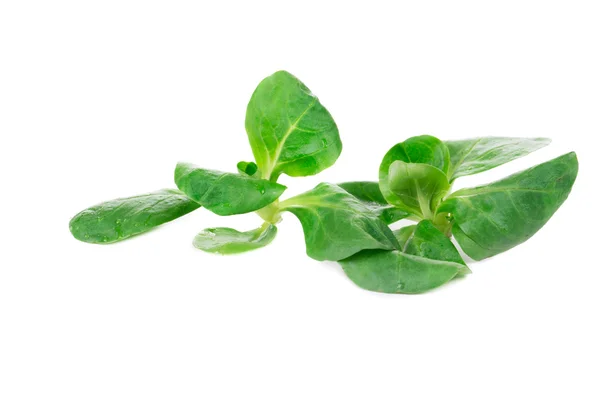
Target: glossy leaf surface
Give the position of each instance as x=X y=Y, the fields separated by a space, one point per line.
x=231 y=241
x=289 y=129
x=416 y=150
x=225 y=193
x=122 y=218
x=417 y=188
x=472 y=156
x=397 y=272
x=336 y=224
x=493 y=218
x=369 y=193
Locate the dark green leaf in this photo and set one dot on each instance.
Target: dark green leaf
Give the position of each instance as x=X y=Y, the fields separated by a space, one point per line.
x=336 y=224
x=427 y=241
x=249 y=168
x=289 y=130
x=397 y=272
x=224 y=193
x=472 y=156
x=230 y=241
x=369 y=193
x=119 y=219
x=417 y=188
x=493 y=218
x=416 y=150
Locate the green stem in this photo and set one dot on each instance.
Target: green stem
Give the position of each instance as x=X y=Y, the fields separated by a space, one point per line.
x=424 y=205
x=443 y=223
x=271 y=213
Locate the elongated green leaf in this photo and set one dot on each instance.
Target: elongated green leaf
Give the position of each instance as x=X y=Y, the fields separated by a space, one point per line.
x=336 y=224
x=369 y=193
x=493 y=218
x=416 y=150
x=417 y=188
x=224 y=193
x=472 y=156
x=248 y=168
x=397 y=272
x=427 y=241
x=230 y=241
x=119 y=219
x=289 y=130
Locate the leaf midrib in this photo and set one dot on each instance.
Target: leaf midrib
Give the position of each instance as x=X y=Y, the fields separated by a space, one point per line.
x=287 y=134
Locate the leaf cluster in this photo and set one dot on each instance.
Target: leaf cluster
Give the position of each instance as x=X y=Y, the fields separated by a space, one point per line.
x=290 y=132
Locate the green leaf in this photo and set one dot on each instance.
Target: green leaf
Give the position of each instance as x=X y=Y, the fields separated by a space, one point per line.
x=417 y=188
x=397 y=272
x=416 y=150
x=472 y=156
x=230 y=241
x=224 y=193
x=403 y=234
x=490 y=219
x=369 y=193
x=289 y=130
x=119 y=219
x=336 y=224
x=427 y=241
x=248 y=168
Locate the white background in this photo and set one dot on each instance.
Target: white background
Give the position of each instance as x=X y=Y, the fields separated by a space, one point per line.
x=100 y=100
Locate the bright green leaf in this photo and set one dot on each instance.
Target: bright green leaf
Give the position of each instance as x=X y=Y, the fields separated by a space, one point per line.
x=416 y=150
x=369 y=193
x=224 y=193
x=230 y=241
x=289 y=130
x=417 y=188
x=472 y=156
x=248 y=168
x=119 y=219
x=493 y=218
x=403 y=234
x=336 y=224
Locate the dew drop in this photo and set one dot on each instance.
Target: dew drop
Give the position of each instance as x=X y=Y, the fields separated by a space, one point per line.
x=86 y=236
x=324 y=142
x=262 y=190
x=118 y=222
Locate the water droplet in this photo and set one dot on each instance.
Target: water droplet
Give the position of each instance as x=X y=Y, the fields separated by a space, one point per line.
x=86 y=236
x=262 y=190
x=226 y=205
x=100 y=219
x=105 y=239
x=136 y=224
x=118 y=222
x=324 y=142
